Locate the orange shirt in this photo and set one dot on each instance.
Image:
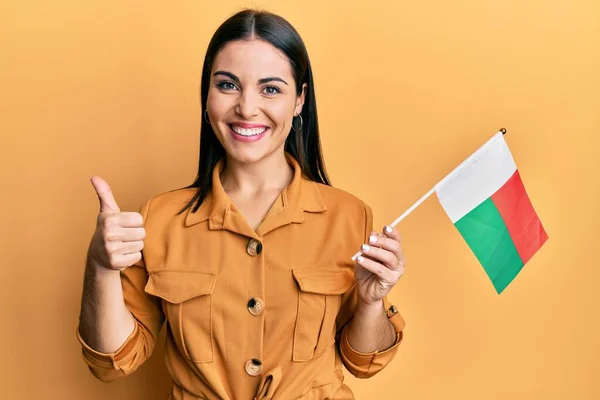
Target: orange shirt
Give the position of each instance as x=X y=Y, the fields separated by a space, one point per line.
x=250 y=314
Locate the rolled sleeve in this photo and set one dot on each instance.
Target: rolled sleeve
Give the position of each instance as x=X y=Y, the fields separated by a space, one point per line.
x=140 y=344
x=117 y=361
x=147 y=313
x=365 y=365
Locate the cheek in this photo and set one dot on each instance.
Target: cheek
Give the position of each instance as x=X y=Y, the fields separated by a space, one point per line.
x=218 y=104
x=281 y=113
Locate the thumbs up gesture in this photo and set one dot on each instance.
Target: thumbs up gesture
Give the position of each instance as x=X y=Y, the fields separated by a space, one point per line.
x=117 y=242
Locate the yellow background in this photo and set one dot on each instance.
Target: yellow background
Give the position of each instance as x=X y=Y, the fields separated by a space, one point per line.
x=405 y=90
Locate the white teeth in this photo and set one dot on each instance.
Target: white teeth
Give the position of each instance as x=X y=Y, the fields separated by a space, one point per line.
x=248 y=132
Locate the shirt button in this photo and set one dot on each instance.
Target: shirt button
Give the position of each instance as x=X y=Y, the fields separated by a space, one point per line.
x=254 y=247
x=256 y=306
x=254 y=367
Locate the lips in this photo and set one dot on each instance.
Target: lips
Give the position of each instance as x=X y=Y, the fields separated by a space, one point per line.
x=247 y=125
x=248 y=131
x=244 y=134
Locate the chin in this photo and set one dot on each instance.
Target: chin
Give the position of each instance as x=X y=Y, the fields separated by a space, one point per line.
x=247 y=155
x=252 y=154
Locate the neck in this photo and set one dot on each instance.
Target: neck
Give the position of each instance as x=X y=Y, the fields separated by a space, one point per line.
x=270 y=173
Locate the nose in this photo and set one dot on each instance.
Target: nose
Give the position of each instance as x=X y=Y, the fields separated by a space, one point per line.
x=248 y=105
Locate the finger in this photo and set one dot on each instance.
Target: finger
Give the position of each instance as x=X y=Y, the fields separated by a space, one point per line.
x=105 y=196
x=132 y=247
x=375 y=233
x=129 y=219
x=124 y=220
x=392 y=233
x=396 y=272
x=386 y=243
x=121 y=248
x=385 y=257
x=118 y=234
x=382 y=272
x=125 y=260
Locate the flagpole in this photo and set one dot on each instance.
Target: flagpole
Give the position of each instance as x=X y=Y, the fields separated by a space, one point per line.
x=418 y=203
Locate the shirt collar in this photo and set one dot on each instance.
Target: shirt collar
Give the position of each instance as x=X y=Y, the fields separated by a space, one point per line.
x=300 y=196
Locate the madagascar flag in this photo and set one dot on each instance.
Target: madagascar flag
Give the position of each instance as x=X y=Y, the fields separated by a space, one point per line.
x=487 y=202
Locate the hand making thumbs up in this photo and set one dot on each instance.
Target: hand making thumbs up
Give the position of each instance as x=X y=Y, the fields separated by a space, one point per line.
x=118 y=240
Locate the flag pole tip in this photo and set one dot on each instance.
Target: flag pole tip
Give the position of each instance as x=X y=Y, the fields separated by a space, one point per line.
x=503 y=131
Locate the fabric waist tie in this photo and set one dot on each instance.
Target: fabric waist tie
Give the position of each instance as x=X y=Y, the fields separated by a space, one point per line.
x=268 y=384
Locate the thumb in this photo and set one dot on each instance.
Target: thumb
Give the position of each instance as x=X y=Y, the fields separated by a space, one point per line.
x=105 y=196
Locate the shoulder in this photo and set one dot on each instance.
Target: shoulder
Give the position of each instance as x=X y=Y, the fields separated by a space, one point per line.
x=167 y=204
x=348 y=212
x=340 y=202
x=336 y=197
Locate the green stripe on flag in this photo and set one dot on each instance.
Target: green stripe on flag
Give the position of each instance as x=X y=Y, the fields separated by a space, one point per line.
x=487 y=236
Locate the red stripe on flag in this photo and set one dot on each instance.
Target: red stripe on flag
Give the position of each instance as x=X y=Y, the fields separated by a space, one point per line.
x=522 y=222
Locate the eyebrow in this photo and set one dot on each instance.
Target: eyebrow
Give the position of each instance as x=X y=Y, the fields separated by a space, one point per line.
x=260 y=81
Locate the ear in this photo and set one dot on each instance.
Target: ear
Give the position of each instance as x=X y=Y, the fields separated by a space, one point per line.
x=300 y=100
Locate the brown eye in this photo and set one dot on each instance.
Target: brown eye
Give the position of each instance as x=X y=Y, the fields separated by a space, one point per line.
x=226 y=85
x=272 y=90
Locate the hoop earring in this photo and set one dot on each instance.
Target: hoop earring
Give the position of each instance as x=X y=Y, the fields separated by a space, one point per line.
x=206 y=116
x=301 y=123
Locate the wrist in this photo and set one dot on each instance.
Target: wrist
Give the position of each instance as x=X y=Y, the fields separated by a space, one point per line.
x=98 y=270
x=374 y=308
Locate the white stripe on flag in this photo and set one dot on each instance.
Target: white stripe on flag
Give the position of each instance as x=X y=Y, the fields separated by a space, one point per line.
x=477 y=178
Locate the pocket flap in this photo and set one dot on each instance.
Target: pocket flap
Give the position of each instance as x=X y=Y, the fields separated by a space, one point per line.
x=179 y=286
x=324 y=281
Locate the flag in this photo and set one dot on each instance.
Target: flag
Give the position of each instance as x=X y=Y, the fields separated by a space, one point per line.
x=486 y=200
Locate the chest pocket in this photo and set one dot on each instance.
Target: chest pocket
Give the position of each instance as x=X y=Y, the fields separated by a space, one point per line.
x=187 y=299
x=319 y=299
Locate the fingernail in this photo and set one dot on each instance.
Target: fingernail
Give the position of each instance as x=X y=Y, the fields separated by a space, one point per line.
x=360 y=258
x=372 y=239
x=388 y=229
x=365 y=247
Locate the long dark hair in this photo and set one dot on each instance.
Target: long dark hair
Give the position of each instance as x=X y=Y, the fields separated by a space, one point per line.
x=304 y=145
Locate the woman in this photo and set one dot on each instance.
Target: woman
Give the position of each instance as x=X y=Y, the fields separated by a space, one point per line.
x=251 y=264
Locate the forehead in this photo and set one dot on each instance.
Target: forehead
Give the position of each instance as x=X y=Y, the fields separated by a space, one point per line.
x=252 y=59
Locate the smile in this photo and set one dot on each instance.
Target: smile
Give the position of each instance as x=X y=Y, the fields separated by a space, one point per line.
x=248 y=134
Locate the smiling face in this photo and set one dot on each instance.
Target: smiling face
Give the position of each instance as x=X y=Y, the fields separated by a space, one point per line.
x=252 y=100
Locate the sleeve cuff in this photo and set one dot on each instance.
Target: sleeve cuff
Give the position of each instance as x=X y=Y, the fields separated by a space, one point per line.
x=115 y=360
x=367 y=363
x=364 y=359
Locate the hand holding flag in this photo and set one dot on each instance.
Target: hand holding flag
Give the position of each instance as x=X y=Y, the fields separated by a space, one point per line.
x=380 y=266
x=485 y=199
